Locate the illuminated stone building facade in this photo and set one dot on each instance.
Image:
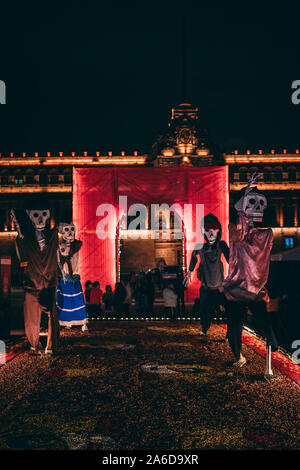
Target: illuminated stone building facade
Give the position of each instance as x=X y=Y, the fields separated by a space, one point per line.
x=183 y=144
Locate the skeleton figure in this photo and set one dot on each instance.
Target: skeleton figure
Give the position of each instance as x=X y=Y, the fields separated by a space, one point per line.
x=68 y=249
x=67 y=236
x=210 y=270
x=249 y=260
x=69 y=296
x=36 y=247
x=67 y=232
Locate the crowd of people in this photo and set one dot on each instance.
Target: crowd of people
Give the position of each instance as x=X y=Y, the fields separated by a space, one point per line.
x=134 y=296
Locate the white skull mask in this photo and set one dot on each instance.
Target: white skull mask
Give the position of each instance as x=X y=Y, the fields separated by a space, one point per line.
x=211 y=235
x=39 y=218
x=67 y=232
x=253 y=205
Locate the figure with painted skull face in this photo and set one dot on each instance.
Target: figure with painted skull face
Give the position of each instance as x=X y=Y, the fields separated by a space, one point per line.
x=210 y=271
x=36 y=247
x=249 y=261
x=69 y=296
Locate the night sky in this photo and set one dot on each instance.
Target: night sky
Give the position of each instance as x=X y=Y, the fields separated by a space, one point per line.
x=83 y=78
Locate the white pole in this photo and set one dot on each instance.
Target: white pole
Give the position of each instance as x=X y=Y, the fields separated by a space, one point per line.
x=268 y=371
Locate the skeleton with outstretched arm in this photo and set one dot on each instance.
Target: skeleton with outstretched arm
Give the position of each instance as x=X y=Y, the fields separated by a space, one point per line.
x=244 y=286
x=36 y=247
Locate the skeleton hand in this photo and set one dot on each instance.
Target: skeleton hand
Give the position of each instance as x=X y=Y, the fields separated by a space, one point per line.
x=254 y=177
x=187 y=278
x=46 y=310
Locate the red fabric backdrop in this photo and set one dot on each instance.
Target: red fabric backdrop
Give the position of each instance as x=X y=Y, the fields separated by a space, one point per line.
x=95 y=186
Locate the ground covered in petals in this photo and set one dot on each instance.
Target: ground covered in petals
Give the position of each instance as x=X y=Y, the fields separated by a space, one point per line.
x=145 y=385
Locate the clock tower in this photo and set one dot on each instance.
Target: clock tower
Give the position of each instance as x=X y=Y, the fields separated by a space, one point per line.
x=185 y=143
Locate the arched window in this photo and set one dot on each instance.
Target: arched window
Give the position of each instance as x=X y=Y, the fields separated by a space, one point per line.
x=29 y=177
x=18 y=179
x=53 y=177
x=278 y=174
x=292 y=175
x=43 y=178
x=68 y=176
x=268 y=174
x=4 y=178
x=243 y=172
x=289 y=215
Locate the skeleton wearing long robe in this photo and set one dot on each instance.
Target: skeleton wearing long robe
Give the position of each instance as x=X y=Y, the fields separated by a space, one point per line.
x=37 y=256
x=249 y=261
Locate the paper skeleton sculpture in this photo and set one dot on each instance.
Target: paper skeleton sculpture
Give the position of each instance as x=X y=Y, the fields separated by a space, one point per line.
x=67 y=237
x=249 y=261
x=36 y=246
x=67 y=232
x=69 y=296
x=210 y=271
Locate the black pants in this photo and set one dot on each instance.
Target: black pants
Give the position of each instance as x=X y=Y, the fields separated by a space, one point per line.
x=180 y=302
x=236 y=312
x=209 y=301
x=170 y=312
x=150 y=301
x=119 y=310
x=94 y=310
x=126 y=308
